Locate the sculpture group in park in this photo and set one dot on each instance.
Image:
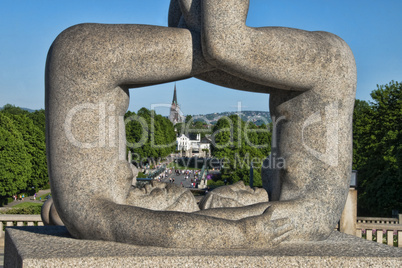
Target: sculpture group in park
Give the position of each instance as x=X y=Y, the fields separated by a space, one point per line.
x=311 y=79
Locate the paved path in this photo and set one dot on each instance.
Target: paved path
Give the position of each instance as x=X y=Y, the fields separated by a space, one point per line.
x=27 y=199
x=179 y=180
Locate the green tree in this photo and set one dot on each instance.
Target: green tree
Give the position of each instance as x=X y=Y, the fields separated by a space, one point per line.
x=377 y=151
x=188 y=118
x=39 y=120
x=362 y=117
x=149 y=135
x=34 y=140
x=180 y=127
x=15 y=161
x=192 y=126
x=32 y=128
x=240 y=144
x=11 y=109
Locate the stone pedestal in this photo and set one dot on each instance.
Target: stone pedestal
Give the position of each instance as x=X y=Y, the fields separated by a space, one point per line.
x=348 y=220
x=53 y=247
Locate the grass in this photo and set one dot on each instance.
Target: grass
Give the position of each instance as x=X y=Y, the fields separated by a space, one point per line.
x=43 y=197
x=28 y=205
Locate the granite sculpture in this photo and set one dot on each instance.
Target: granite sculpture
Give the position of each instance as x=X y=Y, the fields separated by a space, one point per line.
x=49 y=213
x=311 y=79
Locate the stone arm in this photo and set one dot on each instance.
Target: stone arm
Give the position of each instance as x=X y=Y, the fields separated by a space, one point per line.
x=187 y=14
x=88 y=72
x=311 y=72
x=139 y=226
x=283 y=58
x=235 y=213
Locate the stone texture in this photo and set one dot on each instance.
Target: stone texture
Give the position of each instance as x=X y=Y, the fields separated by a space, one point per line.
x=163 y=196
x=53 y=247
x=236 y=195
x=49 y=214
x=311 y=77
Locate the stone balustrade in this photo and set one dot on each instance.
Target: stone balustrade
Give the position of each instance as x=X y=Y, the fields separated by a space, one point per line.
x=382 y=230
x=366 y=227
x=8 y=220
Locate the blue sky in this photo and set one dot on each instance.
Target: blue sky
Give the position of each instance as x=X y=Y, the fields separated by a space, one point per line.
x=372 y=28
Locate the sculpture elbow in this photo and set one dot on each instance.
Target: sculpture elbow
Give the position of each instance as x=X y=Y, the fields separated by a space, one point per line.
x=223 y=49
x=217 y=52
x=212 y=54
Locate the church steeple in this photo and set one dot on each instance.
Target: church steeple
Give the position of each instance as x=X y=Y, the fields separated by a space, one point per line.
x=175 y=114
x=174 y=95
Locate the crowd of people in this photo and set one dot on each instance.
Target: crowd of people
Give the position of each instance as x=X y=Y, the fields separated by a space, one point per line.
x=169 y=174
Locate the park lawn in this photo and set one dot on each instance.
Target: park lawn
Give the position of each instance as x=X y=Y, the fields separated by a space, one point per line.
x=43 y=197
x=28 y=205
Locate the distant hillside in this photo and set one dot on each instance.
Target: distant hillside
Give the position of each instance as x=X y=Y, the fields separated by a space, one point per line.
x=25 y=109
x=28 y=110
x=258 y=117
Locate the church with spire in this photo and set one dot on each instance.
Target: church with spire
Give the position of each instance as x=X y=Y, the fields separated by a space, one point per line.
x=175 y=115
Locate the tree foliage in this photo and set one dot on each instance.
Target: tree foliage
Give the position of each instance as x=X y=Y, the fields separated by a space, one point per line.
x=34 y=140
x=239 y=145
x=23 y=165
x=192 y=126
x=377 y=148
x=15 y=161
x=149 y=135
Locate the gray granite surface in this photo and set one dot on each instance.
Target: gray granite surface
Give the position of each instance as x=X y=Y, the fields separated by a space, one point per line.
x=235 y=195
x=52 y=246
x=311 y=79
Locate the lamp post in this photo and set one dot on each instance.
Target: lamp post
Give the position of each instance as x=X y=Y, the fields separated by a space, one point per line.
x=353 y=179
x=251 y=175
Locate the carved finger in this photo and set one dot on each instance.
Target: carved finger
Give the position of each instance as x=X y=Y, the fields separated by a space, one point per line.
x=277 y=240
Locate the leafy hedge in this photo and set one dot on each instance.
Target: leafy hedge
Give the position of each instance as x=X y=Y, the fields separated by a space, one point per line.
x=24 y=208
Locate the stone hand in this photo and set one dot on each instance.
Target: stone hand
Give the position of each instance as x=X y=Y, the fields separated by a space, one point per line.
x=162 y=196
x=263 y=232
x=236 y=195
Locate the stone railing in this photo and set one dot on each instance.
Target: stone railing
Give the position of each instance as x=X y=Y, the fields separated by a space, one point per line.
x=381 y=230
x=389 y=229
x=8 y=220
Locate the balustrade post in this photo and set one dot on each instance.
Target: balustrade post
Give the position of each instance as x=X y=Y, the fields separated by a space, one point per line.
x=379 y=236
x=359 y=233
x=399 y=237
x=390 y=238
x=369 y=235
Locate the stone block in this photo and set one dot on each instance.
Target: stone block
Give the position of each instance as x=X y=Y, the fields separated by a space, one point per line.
x=52 y=246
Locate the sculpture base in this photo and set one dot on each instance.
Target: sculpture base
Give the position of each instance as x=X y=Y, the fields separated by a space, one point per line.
x=54 y=247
